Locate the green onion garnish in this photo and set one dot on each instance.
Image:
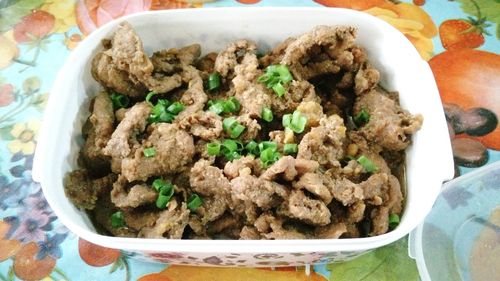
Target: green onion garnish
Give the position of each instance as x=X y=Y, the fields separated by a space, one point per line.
x=267 y=114
x=213 y=148
x=362 y=117
x=393 y=221
x=252 y=148
x=268 y=144
x=165 y=192
x=276 y=77
x=367 y=164
x=290 y=148
x=164 y=111
x=231 y=149
x=213 y=81
x=232 y=127
x=149 y=152
x=175 y=108
x=149 y=96
x=117 y=220
x=224 y=106
x=119 y=100
x=296 y=121
x=269 y=156
x=194 y=202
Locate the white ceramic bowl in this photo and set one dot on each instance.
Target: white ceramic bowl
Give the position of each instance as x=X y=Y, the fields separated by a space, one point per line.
x=429 y=158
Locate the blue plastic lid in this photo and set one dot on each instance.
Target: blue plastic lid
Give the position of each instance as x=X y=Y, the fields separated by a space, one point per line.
x=460 y=238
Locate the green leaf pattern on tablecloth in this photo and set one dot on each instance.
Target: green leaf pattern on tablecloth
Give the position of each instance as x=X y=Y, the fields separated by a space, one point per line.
x=12 y=11
x=489 y=9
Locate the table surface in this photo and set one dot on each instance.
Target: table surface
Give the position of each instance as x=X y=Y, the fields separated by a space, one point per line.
x=460 y=39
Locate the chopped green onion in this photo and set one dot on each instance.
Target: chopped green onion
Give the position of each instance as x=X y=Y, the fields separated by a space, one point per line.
x=149 y=96
x=149 y=152
x=367 y=164
x=267 y=114
x=296 y=121
x=194 y=202
x=252 y=148
x=213 y=148
x=393 y=221
x=224 y=106
x=269 y=156
x=232 y=127
x=175 y=108
x=279 y=89
x=268 y=144
x=236 y=131
x=117 y=220
x=362 y=117
x=213 y=81
x=119 y=100
x=158 y=184
x=290 y=148
x=231 y=149
x=275 y=78
x=164 y=111
x=216 y=108
x=165 y=193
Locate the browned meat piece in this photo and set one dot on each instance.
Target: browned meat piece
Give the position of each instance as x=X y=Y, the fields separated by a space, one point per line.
x=92 y=156
x=102 y=213
x=252 y=95
x=345 y=191
x=319 y=51
x=137 y=195
x=356 y=212
x=228 y=59
x=123 y=140
x=303 y=208
x=395 y=200
x=170 y=224
x=120 y=114
x=265 y=194
x=207 y=62
x=249 y=233
x=212 y=208
x=285 y=167
x=102 y=118
x=107 y=73
x=203 y=124
x=225 y=223
x=313 y=183
x=245 y=165
x=390 y=126
x=174 y=149
x=366 y=79
x=171 y=61
x=331 y=231
x=324 y=143
x=272 y=228
x=369 y=151
x=127 y=53
x=313 y=111
x=208 y=180
x=197 y=226
x=138 y=219
x=84 y=191
x=252 y=127
x=276 y=54
x=380 y=221
x=375 y=187
x=305 y=166
x=194 y=98
x=297 y=92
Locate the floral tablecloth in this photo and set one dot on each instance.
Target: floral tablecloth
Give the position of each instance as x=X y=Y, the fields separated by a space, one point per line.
x=460 y=39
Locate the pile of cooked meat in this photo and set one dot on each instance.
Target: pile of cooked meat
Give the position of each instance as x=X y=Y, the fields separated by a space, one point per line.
x=299 y=142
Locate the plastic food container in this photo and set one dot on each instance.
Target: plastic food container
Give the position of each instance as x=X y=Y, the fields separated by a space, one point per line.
x=429 y=159
x=460 y=238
